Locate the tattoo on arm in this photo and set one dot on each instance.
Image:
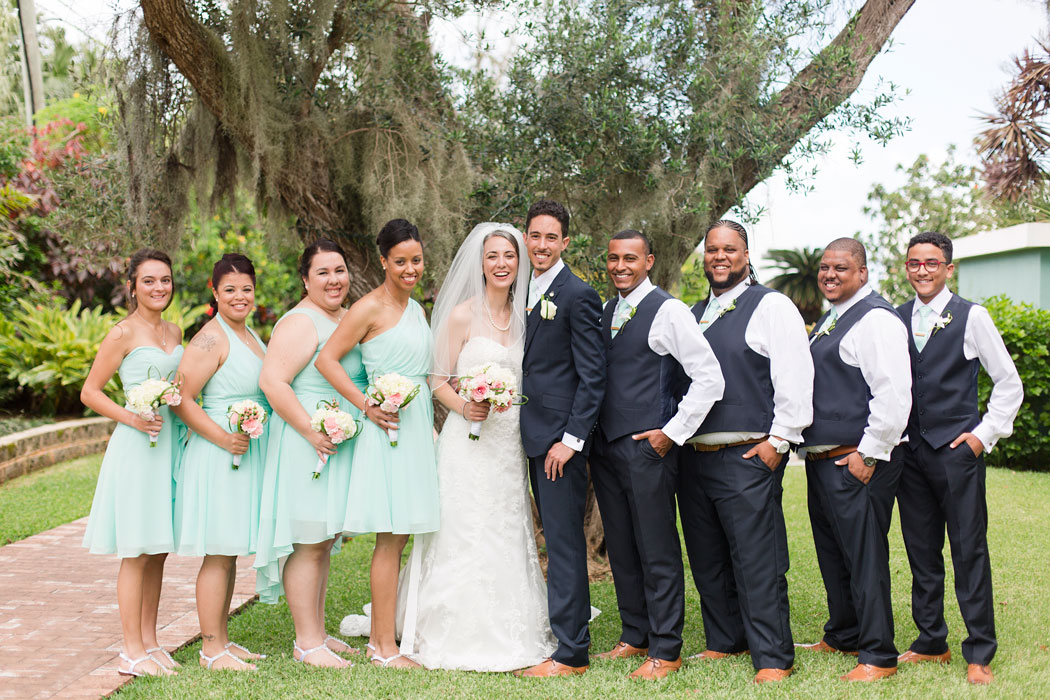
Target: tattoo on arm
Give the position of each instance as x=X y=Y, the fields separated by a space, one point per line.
x=204 y=341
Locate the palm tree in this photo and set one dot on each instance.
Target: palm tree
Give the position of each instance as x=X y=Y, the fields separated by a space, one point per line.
x=798 y=279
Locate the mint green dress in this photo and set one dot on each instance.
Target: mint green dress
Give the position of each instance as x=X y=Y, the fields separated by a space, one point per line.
x=395 y=489
x=217 y=506
x=131 y=513
x=296 y=508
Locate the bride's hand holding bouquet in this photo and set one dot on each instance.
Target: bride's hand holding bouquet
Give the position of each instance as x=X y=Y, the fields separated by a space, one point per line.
x=492 y=384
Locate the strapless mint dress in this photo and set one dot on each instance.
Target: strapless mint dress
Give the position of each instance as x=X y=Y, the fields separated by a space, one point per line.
x=131 y=513
x=216 y=506
x=395 y=489
x=297 y=508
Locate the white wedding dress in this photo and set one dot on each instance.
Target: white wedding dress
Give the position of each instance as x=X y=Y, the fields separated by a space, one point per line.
x=480 y=601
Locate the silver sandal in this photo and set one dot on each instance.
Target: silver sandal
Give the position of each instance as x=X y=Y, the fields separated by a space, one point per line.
x=303 y=653
x=169 y=657
x=255 y=657
x=349 y=649
x=225 y=652
x=131 y=671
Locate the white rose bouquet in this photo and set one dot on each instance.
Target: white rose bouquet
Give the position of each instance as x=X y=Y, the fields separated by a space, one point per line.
x=246 y=417
x=391 y=392
x=145 y=398
x=338 y=425
x=493 y=383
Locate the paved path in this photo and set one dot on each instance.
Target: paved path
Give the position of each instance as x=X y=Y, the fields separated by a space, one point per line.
x=59 y=627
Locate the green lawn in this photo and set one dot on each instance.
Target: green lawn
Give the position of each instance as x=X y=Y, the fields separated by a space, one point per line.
x=1020 y=545
x=45 y=499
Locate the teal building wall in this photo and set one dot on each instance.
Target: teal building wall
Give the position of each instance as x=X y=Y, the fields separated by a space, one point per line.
x=1023 y=275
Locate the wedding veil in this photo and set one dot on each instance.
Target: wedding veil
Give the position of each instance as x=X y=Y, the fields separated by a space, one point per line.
x=465 y=285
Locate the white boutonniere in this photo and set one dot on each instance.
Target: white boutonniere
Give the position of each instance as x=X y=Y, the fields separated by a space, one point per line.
x=547 y=309
x=722 y=312
x=826 y=331
x=940 y=322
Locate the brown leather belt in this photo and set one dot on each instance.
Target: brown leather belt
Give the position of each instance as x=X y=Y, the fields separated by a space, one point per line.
x=715 y=448
x=835 y=452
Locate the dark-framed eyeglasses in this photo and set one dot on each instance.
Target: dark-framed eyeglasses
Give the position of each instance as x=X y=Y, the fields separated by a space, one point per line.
x=931 y=265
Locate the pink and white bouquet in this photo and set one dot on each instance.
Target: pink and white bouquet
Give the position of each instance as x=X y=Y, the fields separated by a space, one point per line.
x=493 y=383
x=391 y=392
x=145 y=398
x=246 y=417
x=338 y=425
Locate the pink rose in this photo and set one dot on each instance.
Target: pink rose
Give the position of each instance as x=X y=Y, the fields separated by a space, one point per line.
x=173 y=399
x=388 y=406
x=252 y=427
x=479 y=393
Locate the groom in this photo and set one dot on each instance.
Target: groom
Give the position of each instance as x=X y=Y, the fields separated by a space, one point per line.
x=563 y=376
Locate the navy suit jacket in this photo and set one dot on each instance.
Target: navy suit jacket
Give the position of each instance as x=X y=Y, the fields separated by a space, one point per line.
x=564 y=366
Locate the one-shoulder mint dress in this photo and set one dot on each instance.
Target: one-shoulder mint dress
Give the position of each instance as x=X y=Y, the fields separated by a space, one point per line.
x=395 y=489
x=217 y=506
x=131 y=513
x=296 y=508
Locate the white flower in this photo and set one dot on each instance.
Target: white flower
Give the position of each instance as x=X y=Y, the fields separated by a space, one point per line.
x=547 y=309
x=940 y=322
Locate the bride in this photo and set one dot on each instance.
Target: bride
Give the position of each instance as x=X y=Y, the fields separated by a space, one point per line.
x=472 y=596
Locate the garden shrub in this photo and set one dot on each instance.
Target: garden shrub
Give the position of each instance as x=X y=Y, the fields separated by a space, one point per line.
x=1026 y=332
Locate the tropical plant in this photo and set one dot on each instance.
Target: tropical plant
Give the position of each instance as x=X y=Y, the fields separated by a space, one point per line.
x=798 y=279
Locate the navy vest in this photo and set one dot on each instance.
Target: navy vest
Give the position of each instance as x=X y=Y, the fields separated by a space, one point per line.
x=747 y=403
x=639 y=389
x=944 y=382
x=840 y=394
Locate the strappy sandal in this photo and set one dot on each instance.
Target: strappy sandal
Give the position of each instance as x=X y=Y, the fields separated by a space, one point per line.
x=303 y=653
x=252 y=656
x=381 y=662
x=209 y=660
x=370 y=649
x=169 y=657
x=349 y=651
x=132 y=671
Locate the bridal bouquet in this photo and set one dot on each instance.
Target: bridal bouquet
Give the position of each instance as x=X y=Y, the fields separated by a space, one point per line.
x=145 y=398
x=338 y=425
x=391 y=392
x=246 y=417
x=493 y=383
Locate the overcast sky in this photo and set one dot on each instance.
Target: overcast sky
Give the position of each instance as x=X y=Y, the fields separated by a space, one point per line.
x=952 y=55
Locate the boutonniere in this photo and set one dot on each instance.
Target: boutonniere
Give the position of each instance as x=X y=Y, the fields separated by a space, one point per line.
x=547 y=309
x=826 y=331
x=940 y=322
x=723 y=311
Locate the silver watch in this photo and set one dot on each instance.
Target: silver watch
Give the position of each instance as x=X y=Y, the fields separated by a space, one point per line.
x=868 y=461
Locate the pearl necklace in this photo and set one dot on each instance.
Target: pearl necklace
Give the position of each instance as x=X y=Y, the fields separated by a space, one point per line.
x=492 y=321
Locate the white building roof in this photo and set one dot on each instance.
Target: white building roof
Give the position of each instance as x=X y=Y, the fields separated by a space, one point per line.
x=1031 y=235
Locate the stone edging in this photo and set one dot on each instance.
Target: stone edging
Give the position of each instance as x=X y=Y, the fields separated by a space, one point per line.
x=41 y=447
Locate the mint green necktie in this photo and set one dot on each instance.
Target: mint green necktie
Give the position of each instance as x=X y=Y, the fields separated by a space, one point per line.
x=710 y=314
x=922 y=331
x=828 y=322
x=621 y=315
x=534 y=294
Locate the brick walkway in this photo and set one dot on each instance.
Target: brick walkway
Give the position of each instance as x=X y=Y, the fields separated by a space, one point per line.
x=59 y=627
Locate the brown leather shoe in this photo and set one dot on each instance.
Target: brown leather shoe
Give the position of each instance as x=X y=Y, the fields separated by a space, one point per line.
x=622 y=650
x=824 y=647
x=914 y=657
x=978 y=674
x=711 y=655
x=772 y=675
x=655 y=669
x=865 y=673
x=549 y=668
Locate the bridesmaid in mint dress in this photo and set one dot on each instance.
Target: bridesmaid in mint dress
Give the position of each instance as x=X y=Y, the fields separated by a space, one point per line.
x=131 y=514
x=392 y=490
x=301 y=518
x=217 y=506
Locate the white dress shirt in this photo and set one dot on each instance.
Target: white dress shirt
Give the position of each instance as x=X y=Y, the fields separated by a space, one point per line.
x=543 y=283
x=776 y=330
x=675 y=332
x=981 y=340
x=878 y=345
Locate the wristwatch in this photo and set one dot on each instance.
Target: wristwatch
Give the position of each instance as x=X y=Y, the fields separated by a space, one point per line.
x=868 y=461
x=781 y=446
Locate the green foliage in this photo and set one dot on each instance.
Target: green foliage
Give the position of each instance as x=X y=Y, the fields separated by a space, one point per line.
x=1026 y=332
x=798 y=279
x=945 y=198
x=83 y=110
x=693 y=285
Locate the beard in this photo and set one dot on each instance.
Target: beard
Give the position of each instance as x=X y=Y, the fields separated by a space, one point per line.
x=731 y=281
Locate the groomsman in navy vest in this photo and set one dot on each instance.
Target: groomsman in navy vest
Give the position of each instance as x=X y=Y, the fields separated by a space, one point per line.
x=651 y=339
x=942 y=485
x=731 y=473
x=861 y=400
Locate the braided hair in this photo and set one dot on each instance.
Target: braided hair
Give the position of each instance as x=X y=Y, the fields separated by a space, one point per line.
x=742 y=232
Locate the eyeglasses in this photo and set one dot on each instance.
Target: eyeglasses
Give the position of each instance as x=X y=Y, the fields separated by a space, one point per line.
x=931 y=265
